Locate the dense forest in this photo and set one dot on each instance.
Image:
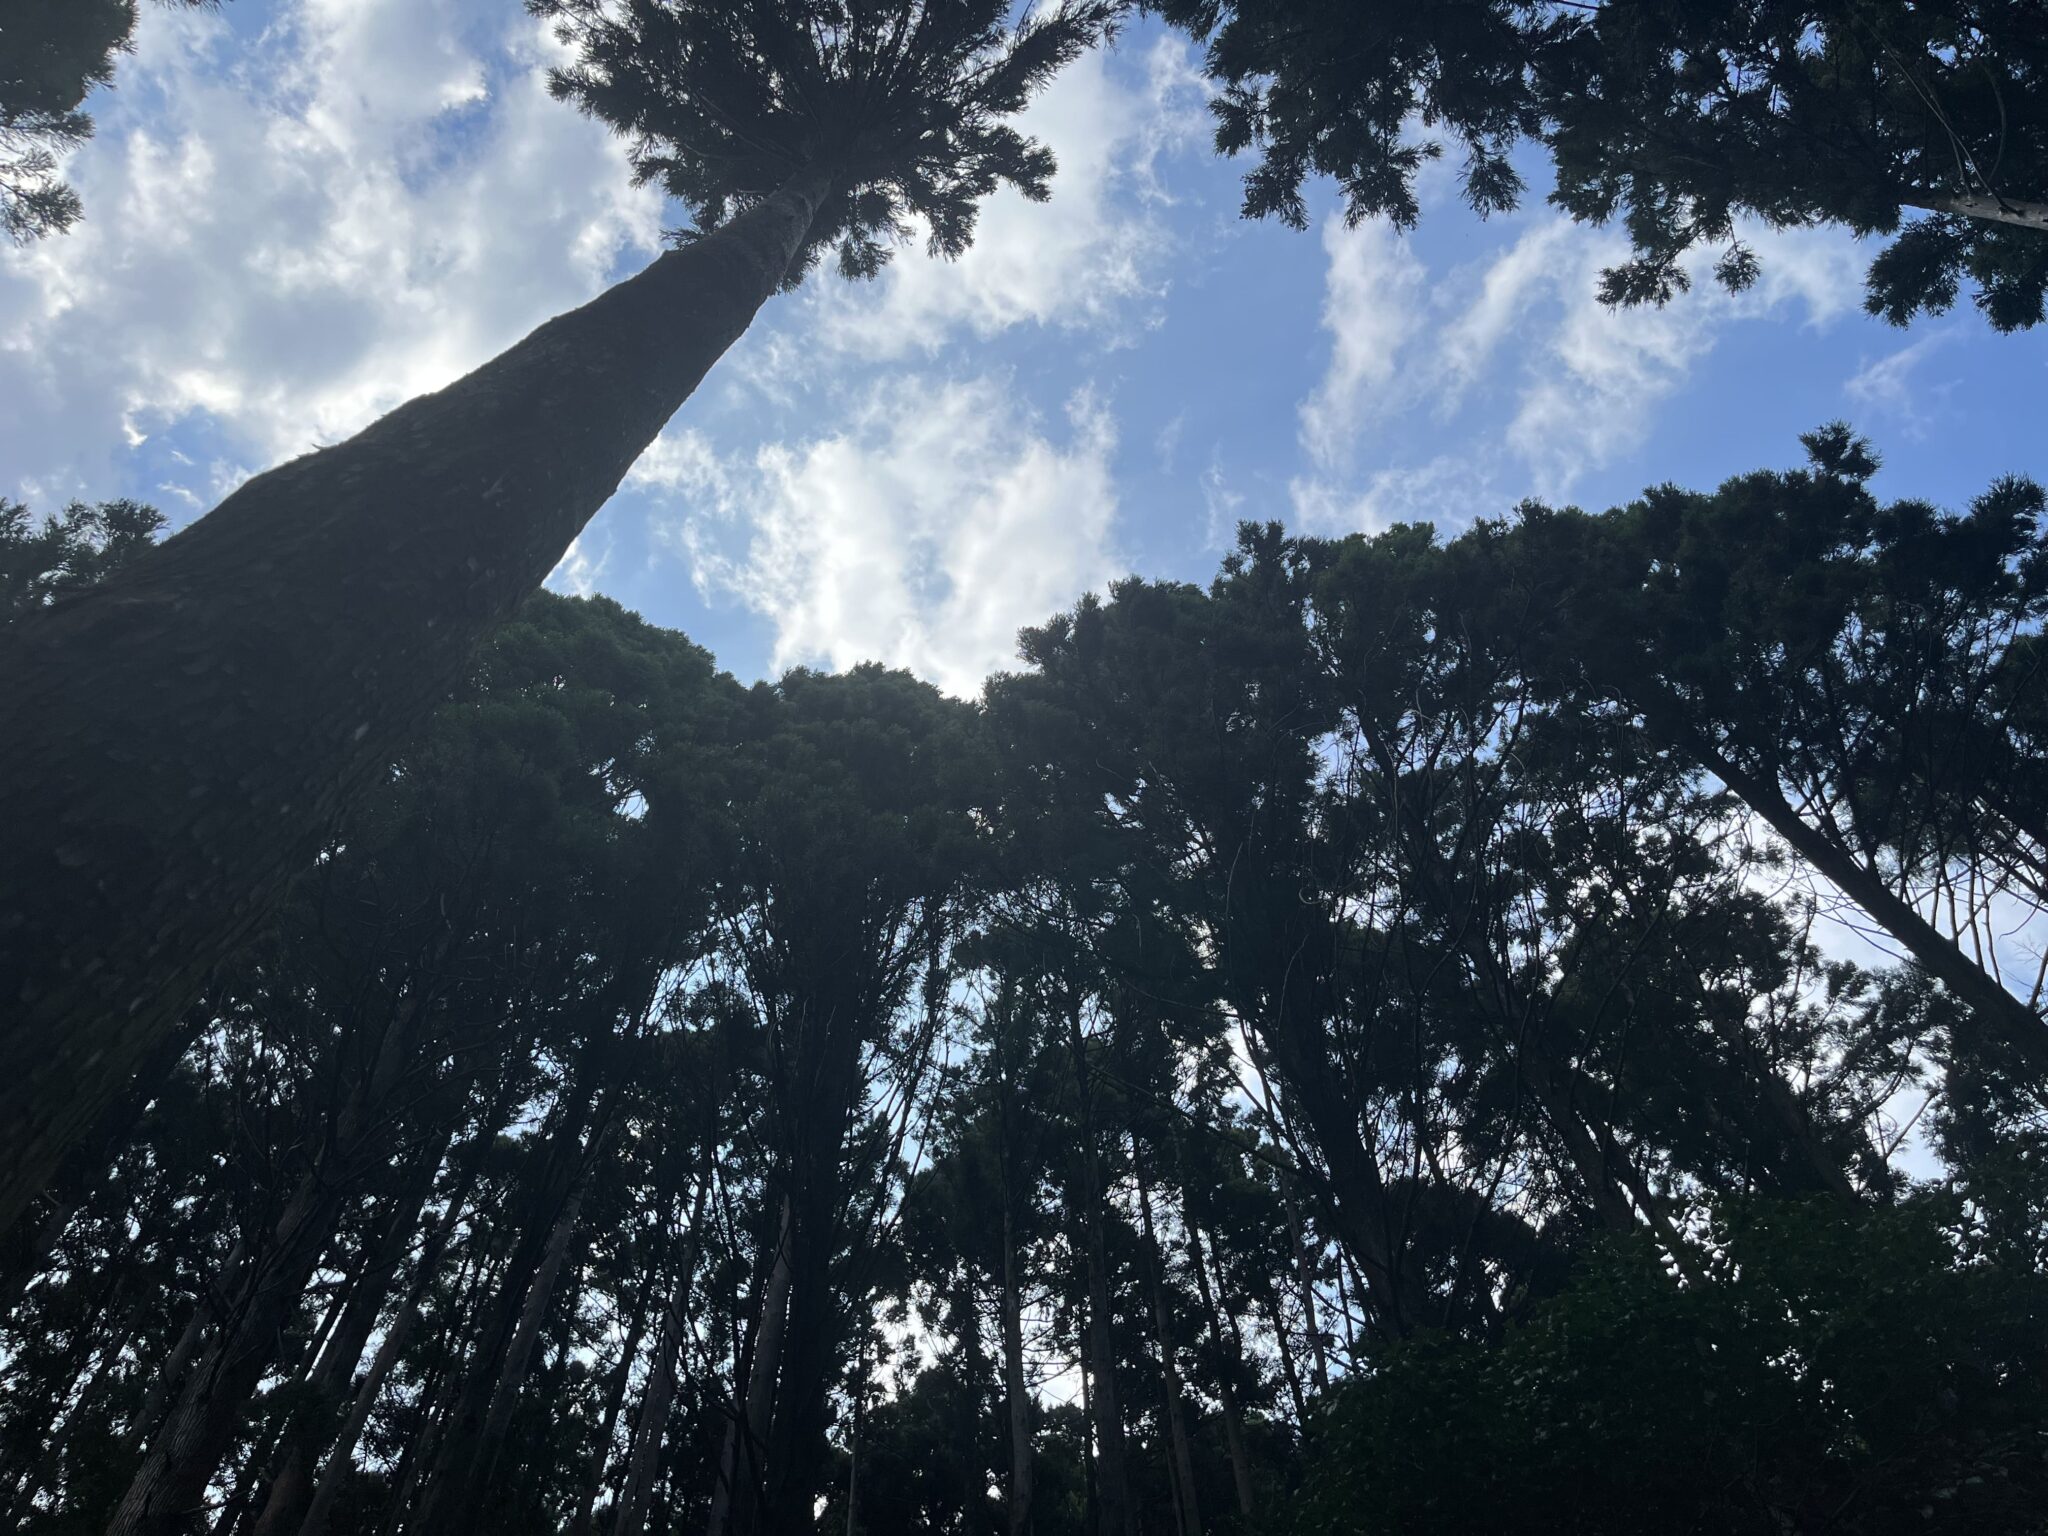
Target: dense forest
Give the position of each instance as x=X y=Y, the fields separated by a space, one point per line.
x=1535 y=1025
x=1369 y=1045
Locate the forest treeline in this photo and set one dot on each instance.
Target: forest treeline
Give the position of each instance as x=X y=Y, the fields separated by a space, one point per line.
x=1399 y=1039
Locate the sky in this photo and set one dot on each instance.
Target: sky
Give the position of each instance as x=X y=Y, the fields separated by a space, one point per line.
x=300 y=213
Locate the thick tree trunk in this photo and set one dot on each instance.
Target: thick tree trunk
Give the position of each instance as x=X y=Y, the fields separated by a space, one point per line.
x=269 y=660
x=650 y=1425
x=1992 y=210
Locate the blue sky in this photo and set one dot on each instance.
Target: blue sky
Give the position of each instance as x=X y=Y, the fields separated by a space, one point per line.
x=301 y=212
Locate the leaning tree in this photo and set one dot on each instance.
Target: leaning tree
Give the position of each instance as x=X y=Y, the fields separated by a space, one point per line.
x=179 y=738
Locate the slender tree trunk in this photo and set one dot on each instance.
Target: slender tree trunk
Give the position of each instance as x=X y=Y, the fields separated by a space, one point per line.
x=1290 y=1372
x=608 y=1422
x=2019 y=1028
x=1226 y=1358
x=269 y=660
x=1169 y=1369
x=1113 y=1488
x=1013 y=1384
x=1305 y=1277
x=519 y=1353
x=291 y=1481
x=363 y=1398
x=650 y=1425
x=737 y=1494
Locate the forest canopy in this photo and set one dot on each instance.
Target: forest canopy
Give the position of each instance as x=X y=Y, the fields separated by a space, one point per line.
x=1314 y=1052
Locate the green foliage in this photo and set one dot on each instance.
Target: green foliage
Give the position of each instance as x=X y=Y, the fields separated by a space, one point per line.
x=53 y=53
x=898 y=104
x=1674 y=118
x=1836 y=1370
x=67 y=552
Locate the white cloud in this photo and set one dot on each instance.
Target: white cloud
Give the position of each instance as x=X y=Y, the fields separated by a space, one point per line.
x=1079 y=261
x=1522 y=334
x=1891 y=386
x=289 y=236
x=1372 y=308
x=925 y=533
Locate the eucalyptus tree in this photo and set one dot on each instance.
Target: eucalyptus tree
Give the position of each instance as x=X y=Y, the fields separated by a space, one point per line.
x=1918 y=121
x=269 y=660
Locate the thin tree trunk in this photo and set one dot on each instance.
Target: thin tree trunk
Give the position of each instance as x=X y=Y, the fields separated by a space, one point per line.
x=643 y=1459
x=2011 y=1021
x=363 y=1399
x=173 y=1371
x=608 y=1422
x=1013 y=1383
x=738 y=1491
x=269 y=660
x=1305 y=1277
x=1112 y=1481
x=1233 y=1417
x=291 y=1482
x=1169 y=1369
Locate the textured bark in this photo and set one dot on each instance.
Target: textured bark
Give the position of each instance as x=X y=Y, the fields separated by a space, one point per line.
x=266 y=662
x=1992 y=210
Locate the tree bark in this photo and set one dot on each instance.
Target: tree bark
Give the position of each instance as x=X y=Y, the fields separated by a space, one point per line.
x=269 y=660
x=1984 y=206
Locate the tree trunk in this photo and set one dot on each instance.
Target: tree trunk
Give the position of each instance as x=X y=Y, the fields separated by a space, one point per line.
x=1169 y=1369
x=1013 y=1384
x=269 y=660
x=1305 y=1276
x=643 y=1459
x=291 y=1481
x=608 y=1422
x=2019 y=1028
x=1113 y=1487
x=1233 y=1416
x=737 y=1494
x=1984 y=206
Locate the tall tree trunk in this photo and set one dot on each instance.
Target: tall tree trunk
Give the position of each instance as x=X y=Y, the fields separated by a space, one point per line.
x=608 y=1421
x=1113 y=1488
x=1985 y=207
x=363 y=1397
x=513 y=1313
x=291 y=1480
x=1019 y=1398
x=1305 y=1277
x=1226 y=1357
x=269 y=660
x=737 y=1495
x=1169 y=1370
x=519 y=1353
x=651 y=1423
